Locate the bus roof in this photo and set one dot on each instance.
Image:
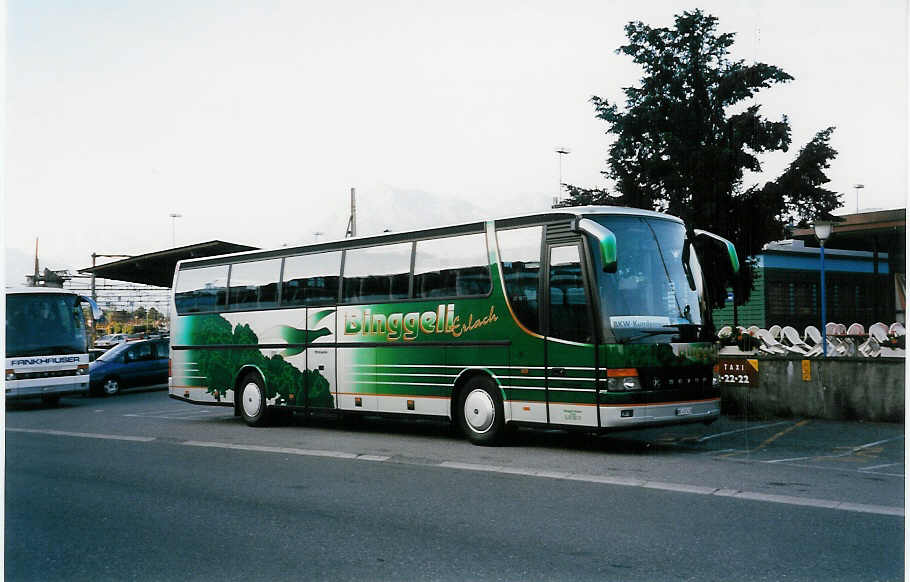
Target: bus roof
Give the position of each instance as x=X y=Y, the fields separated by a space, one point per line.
x=552 y=215
x=20 y=290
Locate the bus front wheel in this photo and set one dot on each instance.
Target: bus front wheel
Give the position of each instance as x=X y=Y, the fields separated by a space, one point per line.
x=253 y=407
x=52 y=401
x=480 y=413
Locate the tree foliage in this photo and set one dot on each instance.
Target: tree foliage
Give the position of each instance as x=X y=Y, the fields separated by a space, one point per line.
x=690 y=131
x=285 y=382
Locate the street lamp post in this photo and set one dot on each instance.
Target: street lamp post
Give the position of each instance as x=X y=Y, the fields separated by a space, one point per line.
x=561 y=151
x=174 y=216
x=823 y=229
x=858 y=187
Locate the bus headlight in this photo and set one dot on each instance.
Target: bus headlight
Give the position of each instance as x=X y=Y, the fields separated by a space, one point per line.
x=623 y=380
x=82 y=369
x=10 y=375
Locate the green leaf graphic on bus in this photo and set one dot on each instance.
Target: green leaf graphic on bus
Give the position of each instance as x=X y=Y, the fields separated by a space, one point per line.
x=288 y=384
x=292 y=335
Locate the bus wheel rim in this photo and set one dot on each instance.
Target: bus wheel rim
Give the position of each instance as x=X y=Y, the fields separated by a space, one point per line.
x=252 y=399
x=479 y=411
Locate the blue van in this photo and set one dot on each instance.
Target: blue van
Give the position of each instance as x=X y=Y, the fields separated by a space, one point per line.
x=137 y=363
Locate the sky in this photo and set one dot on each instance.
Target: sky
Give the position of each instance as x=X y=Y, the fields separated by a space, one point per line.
x=253 y=120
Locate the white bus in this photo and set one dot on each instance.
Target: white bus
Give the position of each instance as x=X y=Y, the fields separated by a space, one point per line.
x=46 y=343
x=593 y=318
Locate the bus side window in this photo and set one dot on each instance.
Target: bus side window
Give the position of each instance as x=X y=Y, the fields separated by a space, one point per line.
x=569 y=317
x=455 y=266
x=311 y=279
x=200 y=290
x=376 y=274
x=519 y=252
x=254 y=285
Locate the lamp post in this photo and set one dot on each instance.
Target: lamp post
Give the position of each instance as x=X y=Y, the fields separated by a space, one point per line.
x=174 y=216
x=858 y=187
x=823 y=229
x=562 y=152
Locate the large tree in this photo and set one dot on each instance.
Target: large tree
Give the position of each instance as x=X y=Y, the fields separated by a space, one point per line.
x=691 y=130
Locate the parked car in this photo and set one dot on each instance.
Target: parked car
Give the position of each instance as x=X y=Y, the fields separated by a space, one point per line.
x=109 y=341
x=137 y=363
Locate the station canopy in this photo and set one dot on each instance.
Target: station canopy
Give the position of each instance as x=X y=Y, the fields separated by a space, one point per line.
x=157 y=268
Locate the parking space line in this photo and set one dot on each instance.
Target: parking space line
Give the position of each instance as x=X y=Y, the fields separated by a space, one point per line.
x=838 y=456
x=739 y=430
x=769 y=440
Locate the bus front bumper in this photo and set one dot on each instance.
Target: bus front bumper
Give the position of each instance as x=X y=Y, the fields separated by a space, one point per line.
x=633 y=415
x=38 y=387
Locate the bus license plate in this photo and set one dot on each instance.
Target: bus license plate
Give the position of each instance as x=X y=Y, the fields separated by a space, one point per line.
x=684 y=411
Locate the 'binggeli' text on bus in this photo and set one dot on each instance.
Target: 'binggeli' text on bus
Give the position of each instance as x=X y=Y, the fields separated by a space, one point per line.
x=592 y=317
x=46 y=343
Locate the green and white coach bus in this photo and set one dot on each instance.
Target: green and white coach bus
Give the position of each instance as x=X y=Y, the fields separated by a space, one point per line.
x=591 y=317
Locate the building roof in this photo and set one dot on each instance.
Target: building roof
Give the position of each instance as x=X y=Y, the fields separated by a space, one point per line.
x=157 y=268
x=858 y=231
x=882 y=231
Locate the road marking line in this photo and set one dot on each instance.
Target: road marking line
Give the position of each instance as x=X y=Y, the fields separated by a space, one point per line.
x=679 y=487
x=377 y=458
x=266 y=449
x=720 y=434
x=172 y=414
x=866 y=469
x=602 y=479
x=88 y=435
x=682 y=488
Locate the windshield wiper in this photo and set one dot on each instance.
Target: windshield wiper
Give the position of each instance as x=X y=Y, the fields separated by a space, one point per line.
x=643 y=333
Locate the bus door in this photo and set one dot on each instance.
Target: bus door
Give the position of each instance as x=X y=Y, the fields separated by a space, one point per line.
x=520 y=260
x=571 y=362
x=320 y=381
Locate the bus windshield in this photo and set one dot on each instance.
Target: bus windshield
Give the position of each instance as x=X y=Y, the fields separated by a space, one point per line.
x=44 y=324
x=657 y=289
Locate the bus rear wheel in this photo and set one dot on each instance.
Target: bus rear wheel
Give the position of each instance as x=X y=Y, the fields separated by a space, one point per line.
x=252 y=404
x=480 y=413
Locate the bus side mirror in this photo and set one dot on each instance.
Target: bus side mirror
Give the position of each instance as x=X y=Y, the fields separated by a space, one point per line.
x=606 y=241
x=719 y=262
x=96 y=311
x=720 y=246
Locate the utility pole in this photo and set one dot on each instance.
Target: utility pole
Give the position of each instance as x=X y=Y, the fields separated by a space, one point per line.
x=352 y=221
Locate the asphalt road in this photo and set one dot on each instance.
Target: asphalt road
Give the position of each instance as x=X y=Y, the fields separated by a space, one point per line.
x=140 y=487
